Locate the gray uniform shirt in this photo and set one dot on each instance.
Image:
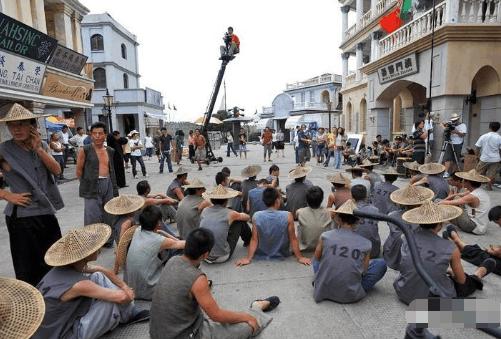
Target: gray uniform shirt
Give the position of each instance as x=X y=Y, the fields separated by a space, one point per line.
x=296 y=196
x=175 y=312
x=362 y=181
x=312 y=223
x=368 y=228
x=340 y=271
x=188 y=215
x=393 y=244
x=439 y=186
x=381 y=197
x=436 y=254
x=215 y=218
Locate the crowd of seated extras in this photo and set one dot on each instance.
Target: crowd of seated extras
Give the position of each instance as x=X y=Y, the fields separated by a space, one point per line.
x=161 y=263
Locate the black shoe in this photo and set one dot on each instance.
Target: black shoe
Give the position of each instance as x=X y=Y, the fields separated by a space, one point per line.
x=200 y=168
x=160 y=172
x=448 y=231
x=274 y=302
x=489 y=264
x=139 y=317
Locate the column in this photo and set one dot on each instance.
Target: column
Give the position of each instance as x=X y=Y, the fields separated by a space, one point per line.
x=360 y=13
x=452 y=12
x=375 y=45
x=359 y=55
x=344 y=21
x=345 y=57
x=76 y=32
x=63 y=25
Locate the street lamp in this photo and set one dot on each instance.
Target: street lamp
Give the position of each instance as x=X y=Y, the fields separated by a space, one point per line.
x=108 y=103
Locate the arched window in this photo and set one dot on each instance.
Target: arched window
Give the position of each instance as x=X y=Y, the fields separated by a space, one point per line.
x=126 y=81
x=124 y=52
x=99 y=78
x=96 y=42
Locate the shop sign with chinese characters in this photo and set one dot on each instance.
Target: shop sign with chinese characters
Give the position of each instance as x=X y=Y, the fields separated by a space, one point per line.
x=398 y=69
x=20 y=73
x=67 y=60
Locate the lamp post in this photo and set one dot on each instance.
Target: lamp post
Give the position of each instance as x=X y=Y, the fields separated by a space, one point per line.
x=108 y=103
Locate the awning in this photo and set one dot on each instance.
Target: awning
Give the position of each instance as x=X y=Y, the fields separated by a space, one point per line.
x=293 y=121
x=263 y=123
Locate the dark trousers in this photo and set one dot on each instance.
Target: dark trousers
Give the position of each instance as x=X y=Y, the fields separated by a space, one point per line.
x=191 y=152
x=30 y=238
x=475 y=255
x=471 y=284
x=245 y=232
x=166 y=157
x=66 y=153
x=230 y=147
x=139 y=159
x=60 y=160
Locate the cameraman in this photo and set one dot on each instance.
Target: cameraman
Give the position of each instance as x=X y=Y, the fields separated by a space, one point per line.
x=419 y=145
x=457 y=139
x=232 y=43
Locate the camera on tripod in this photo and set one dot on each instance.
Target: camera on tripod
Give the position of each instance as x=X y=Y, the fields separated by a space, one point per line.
x=449 y=126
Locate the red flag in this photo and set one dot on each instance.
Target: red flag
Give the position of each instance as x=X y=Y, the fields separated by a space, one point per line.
x=392 y=21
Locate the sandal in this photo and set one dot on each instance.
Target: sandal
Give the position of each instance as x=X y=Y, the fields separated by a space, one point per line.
x=273 y=300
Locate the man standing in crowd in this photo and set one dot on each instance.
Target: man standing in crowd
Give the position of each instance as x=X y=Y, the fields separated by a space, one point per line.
x=457 y=139
x=199 y=148
x=136 y=156
x=267 y=141
x=65 y=139
x=165 y=144
x=116 y=142
x=96 y=173
x=488 y=145
x=78 y=139
x=33 y=198
x=302 y=145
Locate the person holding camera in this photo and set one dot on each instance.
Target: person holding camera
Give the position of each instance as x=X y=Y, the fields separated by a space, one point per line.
x=232 y=44
x=419 y=136
x=457 y=132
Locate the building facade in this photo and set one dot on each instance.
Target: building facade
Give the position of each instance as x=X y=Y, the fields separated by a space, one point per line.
x=390 y=85
x=113 y=51
x=41 y=65
x=315 y=101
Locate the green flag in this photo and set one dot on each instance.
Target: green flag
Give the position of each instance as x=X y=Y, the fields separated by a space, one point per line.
x=405 y=8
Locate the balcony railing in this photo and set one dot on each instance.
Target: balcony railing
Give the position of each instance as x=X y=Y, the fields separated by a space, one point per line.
x=414 y=30
x=323 y=79
x=352 y=80
x=309 y=105
x=368 y=17
x=480 y=11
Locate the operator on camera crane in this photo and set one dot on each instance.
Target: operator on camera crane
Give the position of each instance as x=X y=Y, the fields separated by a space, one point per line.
x=232 y=44
x=458 y=131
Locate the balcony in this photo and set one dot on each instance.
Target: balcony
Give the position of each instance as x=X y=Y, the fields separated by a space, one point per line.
x=320 y=80
x=351 y=80
x=317 y=106
x=372 y=14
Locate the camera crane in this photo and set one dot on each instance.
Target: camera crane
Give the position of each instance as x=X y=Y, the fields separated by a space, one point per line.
x=225 y=59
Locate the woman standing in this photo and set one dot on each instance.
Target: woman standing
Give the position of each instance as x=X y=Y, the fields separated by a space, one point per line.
x=340 y=145
x=148 y=143
x=280 y=143
x=229 y=146
x=57 y=151
x=330 y=145
x=321 y=141
x=243 y=143
x=419 y=136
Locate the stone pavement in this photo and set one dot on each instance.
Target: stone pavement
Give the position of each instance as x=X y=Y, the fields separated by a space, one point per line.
x=379 y=315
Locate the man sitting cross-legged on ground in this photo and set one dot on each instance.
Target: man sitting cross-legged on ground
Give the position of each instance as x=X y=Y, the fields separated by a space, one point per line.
x=296 y=192
x=437 y=254
x=148 y=253
x=405 y=199
x=366 y=227
x=357 y=174
x=341 y=190
x=249 y=172
x=273 y=232
x=83 y=301
x=255 y=198
x=477 y=203
x=124 y=208
x=190 y=208
x=381 y=195
x=183 y=292
x=313 y=220
x=433 y=179
x=343 y=270
x=223 y=222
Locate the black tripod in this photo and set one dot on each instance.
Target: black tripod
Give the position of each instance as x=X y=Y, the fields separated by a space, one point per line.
x=447 y=142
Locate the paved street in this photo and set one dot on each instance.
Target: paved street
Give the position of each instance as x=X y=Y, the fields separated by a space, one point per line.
x=380 y=315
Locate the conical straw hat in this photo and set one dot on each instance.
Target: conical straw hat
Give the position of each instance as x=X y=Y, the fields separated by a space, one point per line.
x=390 y=171
x=124 y=204
x=299 y=172
x=123 y=246
x=16 y=112
x=181 y=170
x=22 y=309
x=431 y=213
x=413 y=166
x=411 y=195
x=346 y=208
x=195 y=184
x=431 y=168
x=367 y=163
x=472 y=175
x=357 y=168
x=339 y=178
x=77 y=244
x=251 y=171
x=220 y=192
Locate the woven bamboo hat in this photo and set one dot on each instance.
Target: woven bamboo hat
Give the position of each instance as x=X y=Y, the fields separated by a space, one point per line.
x=431 y=168
x=77 y=244
x=16 y=112
x=124 y=204
x=367 y=163
x=413 y=166
x=123 y=246
x=454 y=117
x=390 y=171
x=411 y=195
x=357 y=168
x=472 y=175
x=431 y=213
x=22 y=309
x=339 y=178
x=181 y=170
x=220 y=192
x=299 y=172
x=195 y=184
x=131 y=133
x=346 y=208
x=251 y=171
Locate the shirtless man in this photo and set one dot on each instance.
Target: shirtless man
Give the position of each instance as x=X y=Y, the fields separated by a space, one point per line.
x=96 y=173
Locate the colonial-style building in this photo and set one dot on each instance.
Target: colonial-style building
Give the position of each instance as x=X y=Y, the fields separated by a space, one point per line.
x=390 y=84
x=41 y=65
x=113 y=51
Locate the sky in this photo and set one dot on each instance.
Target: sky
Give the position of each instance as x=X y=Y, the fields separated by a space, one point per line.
x=282 y=41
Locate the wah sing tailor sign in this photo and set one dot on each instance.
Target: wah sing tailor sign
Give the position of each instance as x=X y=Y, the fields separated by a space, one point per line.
x=398 y=69
x=21 y=39
x=20 y=73
x=57 y=86
x=67 y=60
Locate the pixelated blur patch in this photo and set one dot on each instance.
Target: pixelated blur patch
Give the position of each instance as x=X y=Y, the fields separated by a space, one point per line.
x=454 y=313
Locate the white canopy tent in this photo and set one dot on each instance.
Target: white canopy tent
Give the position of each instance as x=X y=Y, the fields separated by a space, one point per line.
x=293 y=121
x=263 y=123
